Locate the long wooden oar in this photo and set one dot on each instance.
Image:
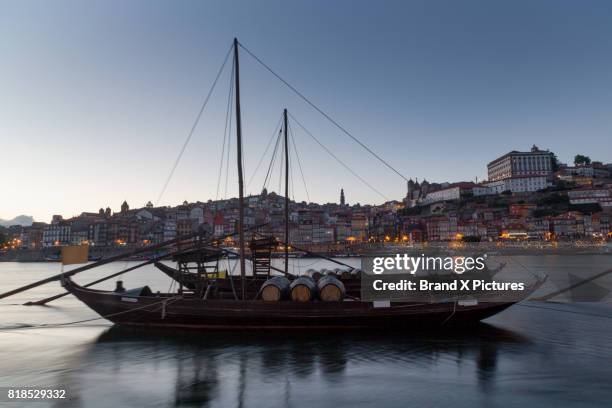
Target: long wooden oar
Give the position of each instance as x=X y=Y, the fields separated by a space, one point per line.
x=574 y=286
x=114 y=258
x=140 y=265
x=98 y=263
x=49 y=299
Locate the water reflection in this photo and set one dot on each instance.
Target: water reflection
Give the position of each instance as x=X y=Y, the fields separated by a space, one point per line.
x=237 y=369
x=562 y=361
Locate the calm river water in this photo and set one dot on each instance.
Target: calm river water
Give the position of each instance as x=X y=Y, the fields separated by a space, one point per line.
x=534 y=354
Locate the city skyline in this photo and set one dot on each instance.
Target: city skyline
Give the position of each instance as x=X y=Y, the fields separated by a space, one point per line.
x=513 y=172
x=98 y=99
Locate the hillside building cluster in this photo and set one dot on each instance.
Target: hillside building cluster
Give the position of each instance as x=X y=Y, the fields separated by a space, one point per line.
x=527 y=194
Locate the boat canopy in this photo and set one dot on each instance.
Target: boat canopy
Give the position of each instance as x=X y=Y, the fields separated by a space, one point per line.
x=201 y=255
x=143 y=291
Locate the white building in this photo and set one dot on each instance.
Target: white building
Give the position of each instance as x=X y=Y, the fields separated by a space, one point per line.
x=169 y=229
x=197 y=213
x=453 y=192
x=56 y=234
x=602 y=196
x=144 y=215
x=79 y=237
x=522 y=184
x=482 y=189
x=592 y=170
x=521 y=164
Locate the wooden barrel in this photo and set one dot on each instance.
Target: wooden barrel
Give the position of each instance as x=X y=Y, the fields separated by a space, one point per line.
x=303 y=289
x=331 y=289
x=345 y=275
x=275 y=289
x=356 y=273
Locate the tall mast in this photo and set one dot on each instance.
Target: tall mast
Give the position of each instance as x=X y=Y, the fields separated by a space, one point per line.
x=240 y=180
x=286 y=195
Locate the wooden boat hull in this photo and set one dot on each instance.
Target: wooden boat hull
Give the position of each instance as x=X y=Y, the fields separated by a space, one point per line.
x=172 y=311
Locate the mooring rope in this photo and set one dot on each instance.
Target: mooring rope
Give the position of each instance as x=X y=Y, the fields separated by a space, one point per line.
x=452 y=314
x=565 y=311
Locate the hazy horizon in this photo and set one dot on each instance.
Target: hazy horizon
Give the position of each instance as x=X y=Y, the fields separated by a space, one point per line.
x=98 y=97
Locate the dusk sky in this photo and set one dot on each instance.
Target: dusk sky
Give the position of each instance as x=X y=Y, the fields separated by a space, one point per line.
x=97 y=98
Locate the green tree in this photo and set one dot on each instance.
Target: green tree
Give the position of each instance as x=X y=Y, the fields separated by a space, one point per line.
x=581 y=159
x=554 y=163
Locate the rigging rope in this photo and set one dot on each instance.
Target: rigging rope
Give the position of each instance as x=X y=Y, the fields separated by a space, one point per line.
x=337 y=159
x=265 y=151
x=272 y=161
x=229 y=139
x=335 y=123
x=280 y=173
x=193 y=128
x=291 y=186
x=228 y=118
x=297 y=155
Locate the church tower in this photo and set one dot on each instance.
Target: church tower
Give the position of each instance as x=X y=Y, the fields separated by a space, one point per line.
x=409 y=189
x=342 y=201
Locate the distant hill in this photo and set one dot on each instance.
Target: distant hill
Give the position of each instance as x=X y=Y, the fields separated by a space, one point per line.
x=23 y=220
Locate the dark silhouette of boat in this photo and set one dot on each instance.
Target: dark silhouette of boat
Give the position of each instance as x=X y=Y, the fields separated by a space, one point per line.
x=141 y=307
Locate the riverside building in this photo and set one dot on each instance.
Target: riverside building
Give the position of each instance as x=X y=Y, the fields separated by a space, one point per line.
x=521 y=164
x=521 y=171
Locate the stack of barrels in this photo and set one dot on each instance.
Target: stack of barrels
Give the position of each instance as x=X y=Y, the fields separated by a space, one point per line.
x=327 y=288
